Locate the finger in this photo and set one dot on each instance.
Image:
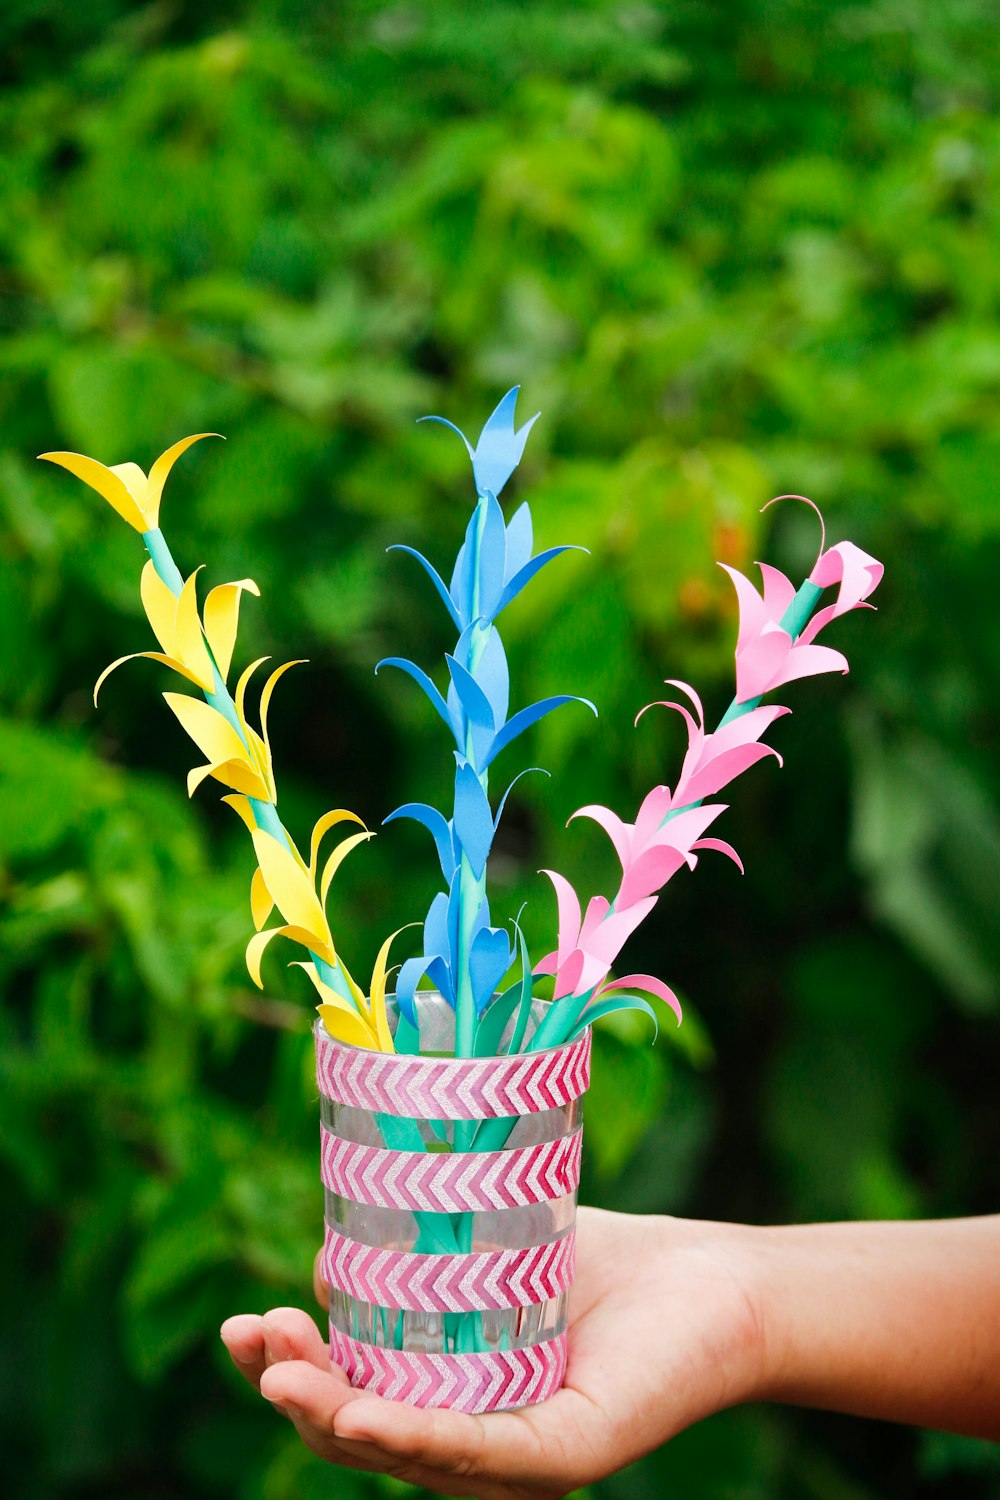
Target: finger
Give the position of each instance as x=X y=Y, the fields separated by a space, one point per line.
x=243 y=1336
x=290 y=1333
x=311 y=1399
x=319 y=1285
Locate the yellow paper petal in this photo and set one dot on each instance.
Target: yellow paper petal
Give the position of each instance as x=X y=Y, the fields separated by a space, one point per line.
x=106 y=483
x=379 y=971
x=265 y=703
x=344 y=1026
x=381 y=1020
x=160 y=604
x=241 y=686
x=211 y=731
x=242 y=809
x=291 y=889
x=261 y=904
x=261 y=759
x=336 y=860
x=324 y=824
x=166 y=661
x=235 y=773
x=258 y=944
x=134 y=480
x=379 y=977
x=189 y=643
x=158 y=475
x=336 y=1006
x=222 y=618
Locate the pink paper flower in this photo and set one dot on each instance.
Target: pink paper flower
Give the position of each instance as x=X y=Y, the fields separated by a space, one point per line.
x=713 y=760
x=766 y=655
x=858 y=576
x=587 y=947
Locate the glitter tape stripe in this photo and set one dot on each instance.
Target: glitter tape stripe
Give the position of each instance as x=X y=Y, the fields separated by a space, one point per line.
x=495 y=1381
x=476 y=1282
x=452 y=1088
x=456 y=1182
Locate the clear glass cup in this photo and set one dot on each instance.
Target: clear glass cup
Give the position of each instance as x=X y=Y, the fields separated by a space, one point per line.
x=351 y=1216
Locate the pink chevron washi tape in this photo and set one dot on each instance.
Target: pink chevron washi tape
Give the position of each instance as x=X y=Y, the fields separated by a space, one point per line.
x=481 y=1281
x=494 y=1381
x=454 y=1183
x=453 y=1088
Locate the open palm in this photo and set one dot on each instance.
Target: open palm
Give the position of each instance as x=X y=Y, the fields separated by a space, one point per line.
x=663 y=1330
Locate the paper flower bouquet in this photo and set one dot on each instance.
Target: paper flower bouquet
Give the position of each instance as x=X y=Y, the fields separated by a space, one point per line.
x=451 y=1112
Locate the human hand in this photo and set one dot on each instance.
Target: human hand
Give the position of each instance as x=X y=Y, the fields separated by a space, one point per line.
x=664 y=1328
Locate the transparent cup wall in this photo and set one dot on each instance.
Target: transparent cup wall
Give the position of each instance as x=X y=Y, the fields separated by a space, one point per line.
x=495 y=1229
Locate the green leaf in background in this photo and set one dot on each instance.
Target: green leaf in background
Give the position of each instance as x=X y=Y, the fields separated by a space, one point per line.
x=729 y=252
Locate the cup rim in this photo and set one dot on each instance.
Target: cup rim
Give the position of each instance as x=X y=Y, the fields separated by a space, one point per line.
x=321 y=1034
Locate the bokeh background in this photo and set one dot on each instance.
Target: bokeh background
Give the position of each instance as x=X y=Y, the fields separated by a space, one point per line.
x=729 y=251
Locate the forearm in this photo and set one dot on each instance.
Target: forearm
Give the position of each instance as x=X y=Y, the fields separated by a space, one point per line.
x=893 y=1320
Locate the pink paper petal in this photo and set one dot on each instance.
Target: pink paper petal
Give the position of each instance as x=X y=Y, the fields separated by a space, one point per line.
x=744 y=730
x=821 y=620
x=689 y=692
x=725 y=768
x=721 y=847
x=547 y=965
x=753 y=615
x=597 y=909
x=647 y=982
x=779 y=591
x=811 y=661
x=619 y=832
x=569 y=913
x=616 y=928
x=655 y=806
x=681 y=831
x=591 y=974
x=568 y=974
x=857 y=572
x=760 y=661
x=650 y=873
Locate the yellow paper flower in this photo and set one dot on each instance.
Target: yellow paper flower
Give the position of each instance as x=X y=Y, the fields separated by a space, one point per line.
x=363 y=1024
x=189 y=645
x=133 y=494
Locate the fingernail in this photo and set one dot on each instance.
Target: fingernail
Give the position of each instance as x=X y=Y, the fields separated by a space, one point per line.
x=240 y=1324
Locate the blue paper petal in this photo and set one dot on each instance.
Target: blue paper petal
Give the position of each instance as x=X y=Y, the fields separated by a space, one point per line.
x=433 y=575
x=463 y=580
x=503 y=800
x=491 y=557
x=442 y=977
x=423 y=681
x=528 y=716
x=436 y=928
x=461 y=585
x=499 y=449
x=489 y=959
x=473 y=818
x=520 y=540
x=439 y=828
x=445 y=423
x=493 y=676
x=524 y=575
x=410 y=974
x=477 y=709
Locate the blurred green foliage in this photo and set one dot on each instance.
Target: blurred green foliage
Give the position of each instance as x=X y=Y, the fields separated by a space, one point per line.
x=730 y=251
